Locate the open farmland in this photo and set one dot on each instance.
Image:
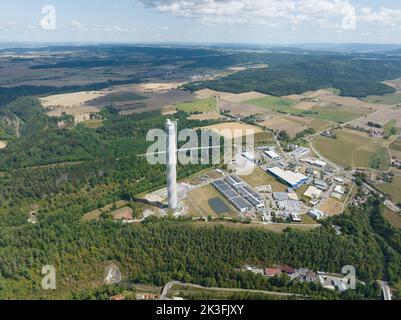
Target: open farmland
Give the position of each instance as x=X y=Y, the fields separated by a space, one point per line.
x=392 y=189
x=240 y=109
x=390 y=99
x=282 y=123
x=196 y=106
x=325 y=107
x=293 y=124
x=231 y=97
x=233 y=129
x=271 y=102
x=354 y=149
x=384 y=117
x=395 y=149
x=210 y=115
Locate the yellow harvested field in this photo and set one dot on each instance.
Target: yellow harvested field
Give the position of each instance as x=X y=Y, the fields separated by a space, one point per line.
x=241 y=109
x=211 y=115
x=241 y=97
x=284 y=123
x=233 y=129
x=71 y=99
x=3 y=144
x=207 y=93
x=157 y=86
x=331 y=207
x=231 y=97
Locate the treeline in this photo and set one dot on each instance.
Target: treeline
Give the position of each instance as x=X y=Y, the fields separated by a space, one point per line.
x=9 y=94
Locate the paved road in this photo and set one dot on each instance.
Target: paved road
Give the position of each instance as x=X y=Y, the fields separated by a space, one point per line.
x=386 y=291
x=169 y=285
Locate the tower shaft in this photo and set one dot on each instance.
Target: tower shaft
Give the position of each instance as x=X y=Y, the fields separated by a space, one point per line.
x=171 y=165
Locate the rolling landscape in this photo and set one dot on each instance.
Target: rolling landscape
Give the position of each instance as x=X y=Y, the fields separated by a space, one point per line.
x=317 y=190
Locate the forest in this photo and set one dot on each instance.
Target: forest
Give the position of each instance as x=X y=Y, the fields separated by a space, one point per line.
x=159 y=251
x=355 y=77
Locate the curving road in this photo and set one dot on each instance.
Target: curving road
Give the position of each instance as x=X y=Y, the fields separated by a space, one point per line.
x=169 y=285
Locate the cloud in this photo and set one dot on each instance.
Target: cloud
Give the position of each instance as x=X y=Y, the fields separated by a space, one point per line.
x=384 y=17
x=77 y=25
x=335 y=13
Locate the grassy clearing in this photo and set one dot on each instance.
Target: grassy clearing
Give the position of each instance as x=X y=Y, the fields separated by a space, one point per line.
x=93 y=124
x=95 y=214
x=260 y=178
x=395 y=149
x=203 y=105
x=392 y=217
x=392 y=189
x=263 y=138
x=319 y=124
x=389 y=126
x=198 y=205
x=354 y=149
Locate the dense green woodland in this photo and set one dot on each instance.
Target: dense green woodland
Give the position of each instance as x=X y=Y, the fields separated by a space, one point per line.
x=355 y=77
x=160 y=251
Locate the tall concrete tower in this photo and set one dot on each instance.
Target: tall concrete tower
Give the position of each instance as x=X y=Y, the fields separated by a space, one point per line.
x=171 y=158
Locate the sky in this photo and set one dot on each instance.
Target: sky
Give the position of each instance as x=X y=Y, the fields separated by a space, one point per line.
x=201 y=21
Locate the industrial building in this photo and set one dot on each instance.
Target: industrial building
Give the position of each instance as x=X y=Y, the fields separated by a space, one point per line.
x=232 y=196
x=271 y=154
x=291 y=206
x=239 y=194
x=294 y=180
x=316 y=214
x=313 y=192
x=246 y=191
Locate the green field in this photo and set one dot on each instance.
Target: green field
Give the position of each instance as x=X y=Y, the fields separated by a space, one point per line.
x=331 y=113
x=390 y=99
x=203 y=105
x=272 y=103
x=392 y=189
x=93 y=124
x=354 y=149
x=395 y=149
x=260 y=178
x=392 y=217
x=389 y=126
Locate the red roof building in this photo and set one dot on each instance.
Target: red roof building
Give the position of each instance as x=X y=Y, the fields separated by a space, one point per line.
x=287 y=269
x=271 y=272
